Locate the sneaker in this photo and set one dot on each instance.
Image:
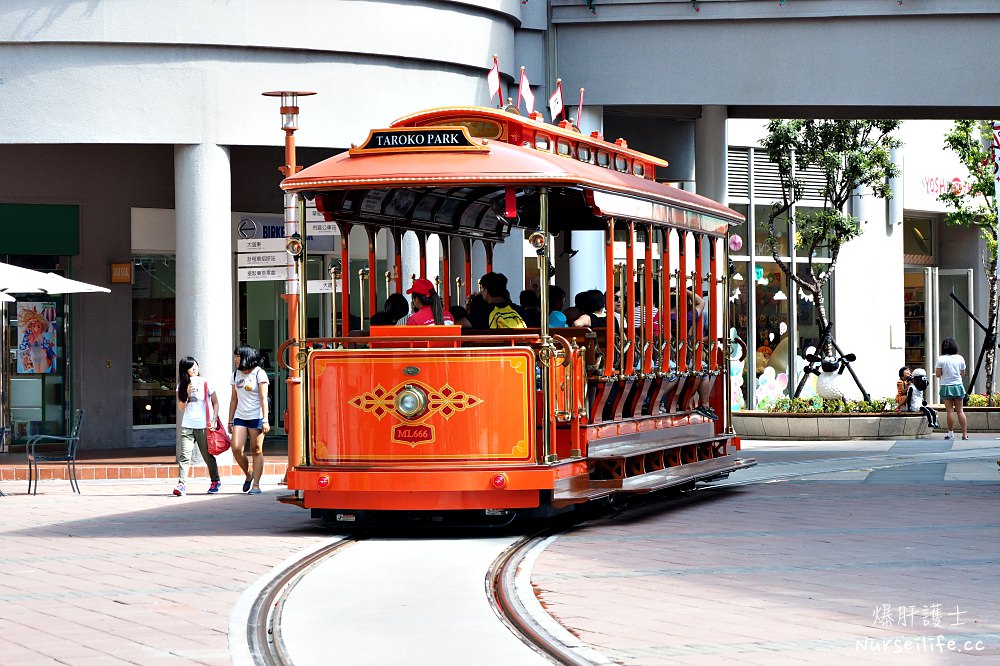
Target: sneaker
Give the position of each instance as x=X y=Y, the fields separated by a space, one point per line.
x=950 y=435
x=214 y=488
x=180 y=490
x=247 y=484
x=254 y=491
x=965 y=437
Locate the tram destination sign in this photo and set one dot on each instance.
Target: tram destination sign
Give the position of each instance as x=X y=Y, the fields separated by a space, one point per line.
x=416 y=139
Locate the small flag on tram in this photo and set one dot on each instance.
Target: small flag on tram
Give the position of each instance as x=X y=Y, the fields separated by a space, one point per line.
x=579 y=110
x=493 y=81
x=556 y=101
x=524 y=92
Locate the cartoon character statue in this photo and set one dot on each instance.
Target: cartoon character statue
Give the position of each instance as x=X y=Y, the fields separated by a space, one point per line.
x=36 y=351
x=828 y=374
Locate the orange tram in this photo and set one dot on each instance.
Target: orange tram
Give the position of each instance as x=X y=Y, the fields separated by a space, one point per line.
x=439 y=421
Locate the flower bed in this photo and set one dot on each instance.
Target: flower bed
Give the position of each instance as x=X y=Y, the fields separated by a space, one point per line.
x=833 y=426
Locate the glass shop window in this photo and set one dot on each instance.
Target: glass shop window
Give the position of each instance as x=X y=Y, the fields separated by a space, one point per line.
x=154 y=341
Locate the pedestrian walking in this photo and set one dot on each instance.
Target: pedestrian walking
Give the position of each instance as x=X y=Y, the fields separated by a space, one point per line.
x=950 y=368
x=248 y=416
x=198 y=406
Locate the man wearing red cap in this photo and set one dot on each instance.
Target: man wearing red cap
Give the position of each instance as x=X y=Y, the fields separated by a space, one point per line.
x=427 y=309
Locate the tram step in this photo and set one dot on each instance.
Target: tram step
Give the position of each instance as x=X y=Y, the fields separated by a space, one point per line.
x=675 y=476
x=624 y=449
x=583 y=494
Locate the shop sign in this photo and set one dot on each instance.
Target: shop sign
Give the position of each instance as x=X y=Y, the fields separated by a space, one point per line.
x=246 y=259
x=121 y=273
x=260 y=245
x=261 y=274
x=322 y=228
x=321 y=286
x=938 y=185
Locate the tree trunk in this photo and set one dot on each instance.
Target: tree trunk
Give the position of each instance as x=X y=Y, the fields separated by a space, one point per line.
x=991 y=339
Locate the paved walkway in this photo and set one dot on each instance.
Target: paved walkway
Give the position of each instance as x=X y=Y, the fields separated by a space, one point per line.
x=129 y=574
x=882 y=566
x=856 y=565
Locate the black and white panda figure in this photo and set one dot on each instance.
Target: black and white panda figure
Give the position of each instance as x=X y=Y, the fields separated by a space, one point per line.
x=915 y=397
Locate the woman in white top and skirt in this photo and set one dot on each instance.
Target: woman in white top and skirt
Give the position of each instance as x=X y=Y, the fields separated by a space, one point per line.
x=949 y=369
x=248 y=415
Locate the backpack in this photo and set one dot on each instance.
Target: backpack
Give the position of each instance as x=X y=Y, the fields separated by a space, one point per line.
x=506 y=317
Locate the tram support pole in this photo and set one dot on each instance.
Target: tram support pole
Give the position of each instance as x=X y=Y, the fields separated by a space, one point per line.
x=540 y=241
x=293 y=284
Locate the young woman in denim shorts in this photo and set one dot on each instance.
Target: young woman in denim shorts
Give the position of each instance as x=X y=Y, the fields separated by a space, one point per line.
x=949 y=369
x=248 y=415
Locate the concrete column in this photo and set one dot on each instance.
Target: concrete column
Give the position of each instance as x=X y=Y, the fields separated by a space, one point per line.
x=508 y=258
x=205 y=327
x=593 y=116
x=586 y=269
x=411 y=259
x=866 y=280
x=711 y=153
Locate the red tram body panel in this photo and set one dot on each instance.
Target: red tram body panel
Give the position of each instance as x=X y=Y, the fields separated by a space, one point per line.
x=442 y=418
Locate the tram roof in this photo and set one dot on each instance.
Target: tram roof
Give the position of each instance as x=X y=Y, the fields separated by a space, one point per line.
x=482 y=176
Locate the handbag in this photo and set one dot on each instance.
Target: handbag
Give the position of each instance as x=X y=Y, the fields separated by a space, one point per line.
x=215 y=434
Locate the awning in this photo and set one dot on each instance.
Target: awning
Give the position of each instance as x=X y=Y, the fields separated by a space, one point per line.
x=504 y=165
x=17 y=280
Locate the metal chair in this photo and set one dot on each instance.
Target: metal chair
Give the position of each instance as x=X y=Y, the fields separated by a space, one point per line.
x=66 y=455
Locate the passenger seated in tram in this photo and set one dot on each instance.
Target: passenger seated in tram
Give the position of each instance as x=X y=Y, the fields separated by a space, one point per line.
x=503 y=313
x=593 y=312
x=639 y=315
x=427 y=309
x=532 y=308
x=398 y=307
x=460 y=315
x=478 y=311
x=557 y=299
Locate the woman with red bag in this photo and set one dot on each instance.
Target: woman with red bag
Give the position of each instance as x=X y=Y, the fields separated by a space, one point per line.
x=192 y=392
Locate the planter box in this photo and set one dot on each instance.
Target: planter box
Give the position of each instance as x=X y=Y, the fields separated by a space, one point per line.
x=889 y=425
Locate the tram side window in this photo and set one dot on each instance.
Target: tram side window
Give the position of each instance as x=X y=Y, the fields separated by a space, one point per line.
x=541 y=142
x=584 y=154
x=603 y=158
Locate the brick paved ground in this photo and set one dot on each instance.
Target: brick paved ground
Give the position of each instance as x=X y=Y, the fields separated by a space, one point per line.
x=790 y=573
x=128 y=574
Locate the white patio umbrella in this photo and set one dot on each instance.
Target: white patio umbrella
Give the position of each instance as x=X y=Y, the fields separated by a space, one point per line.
x=17 y=280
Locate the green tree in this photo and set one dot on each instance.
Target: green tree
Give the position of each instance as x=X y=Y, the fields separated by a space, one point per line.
x=851 y=154
x=975 y=206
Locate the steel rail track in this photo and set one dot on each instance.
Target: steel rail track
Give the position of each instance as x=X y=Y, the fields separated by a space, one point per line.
x=264 y=619
x=502 y=594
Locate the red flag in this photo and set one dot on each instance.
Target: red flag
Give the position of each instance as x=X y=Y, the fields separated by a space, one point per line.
x=524 y=92
x=579 y=110
x=493 y=81
x=556 y=101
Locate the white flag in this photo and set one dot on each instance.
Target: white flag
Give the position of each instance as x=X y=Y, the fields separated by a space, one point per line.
x=556 y=101
x=493 y=81
x=524 y=90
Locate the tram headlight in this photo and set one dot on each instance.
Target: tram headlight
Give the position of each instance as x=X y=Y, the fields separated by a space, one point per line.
x=411 y=402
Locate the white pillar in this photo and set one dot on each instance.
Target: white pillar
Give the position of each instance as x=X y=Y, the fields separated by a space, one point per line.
x=203 y=203
x=592 y=120
x=508 y=258
x=586 y=268
x=410 y=252
x=711 y=153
